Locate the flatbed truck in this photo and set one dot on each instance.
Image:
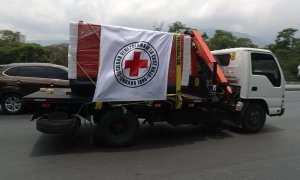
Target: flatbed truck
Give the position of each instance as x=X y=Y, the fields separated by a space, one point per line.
x=239 y=86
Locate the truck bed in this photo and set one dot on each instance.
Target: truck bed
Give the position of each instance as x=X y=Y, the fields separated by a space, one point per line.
x=65 y=95
x=59 y=95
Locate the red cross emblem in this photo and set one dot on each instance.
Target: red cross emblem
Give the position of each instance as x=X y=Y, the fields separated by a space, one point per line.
x=135 y=64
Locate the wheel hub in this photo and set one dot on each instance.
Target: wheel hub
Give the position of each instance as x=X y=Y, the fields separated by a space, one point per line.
x=12 y=104
x=254 y=117
x=119 y=127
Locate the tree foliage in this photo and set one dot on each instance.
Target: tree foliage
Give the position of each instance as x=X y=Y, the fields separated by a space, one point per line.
x=58 y=54
x=287 y=49
x=10 y=36
x=286 y=39
x=13 y=51
x=205 y=36
x=178 y=27
x=224 y=39
x=221 y=39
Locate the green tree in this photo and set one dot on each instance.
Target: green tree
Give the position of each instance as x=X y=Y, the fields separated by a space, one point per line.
x=245 y=42
x=58 y=54
x=178 y=27
x=285 y=38
x=224 y=39
x=12 y=52
x=287 y=49
x=221 y=40
x=33 y=53
x=8 y=35
x=205 y=36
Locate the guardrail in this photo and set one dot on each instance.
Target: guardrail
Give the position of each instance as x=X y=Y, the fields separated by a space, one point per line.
x=292 y=87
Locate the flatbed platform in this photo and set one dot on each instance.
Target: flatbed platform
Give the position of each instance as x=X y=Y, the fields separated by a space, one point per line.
x=65 y=95
x=59 y=95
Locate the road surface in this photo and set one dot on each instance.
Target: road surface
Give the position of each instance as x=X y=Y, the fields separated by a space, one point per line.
x=163 y=152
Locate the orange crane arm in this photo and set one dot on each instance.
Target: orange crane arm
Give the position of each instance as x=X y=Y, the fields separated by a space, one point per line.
x=205 y=54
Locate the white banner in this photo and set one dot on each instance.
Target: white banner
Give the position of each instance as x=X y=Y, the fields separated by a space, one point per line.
x=133 y=64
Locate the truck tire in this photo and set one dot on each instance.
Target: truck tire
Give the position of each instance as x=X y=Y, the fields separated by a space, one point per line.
x=12 y=104
x=254 y=118
x=117 y=128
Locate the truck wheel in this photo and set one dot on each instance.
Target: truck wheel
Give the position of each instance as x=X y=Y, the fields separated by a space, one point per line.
x=117 y=128
x=254 y=118
x=12 y=104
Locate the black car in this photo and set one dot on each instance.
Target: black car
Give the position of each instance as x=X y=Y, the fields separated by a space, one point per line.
x=20 y=79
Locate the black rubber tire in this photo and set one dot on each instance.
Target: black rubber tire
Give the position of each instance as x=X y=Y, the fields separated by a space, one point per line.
x=56 y=126
x=118 y=129
x=59 y=125
x=254 y=118
x=12 y=104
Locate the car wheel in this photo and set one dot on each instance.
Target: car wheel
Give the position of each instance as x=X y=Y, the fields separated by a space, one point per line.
x=254 y=118
x=117 y=128
x=12 y=104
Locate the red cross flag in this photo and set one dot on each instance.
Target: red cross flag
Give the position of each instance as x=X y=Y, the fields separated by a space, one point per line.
x=133 y=64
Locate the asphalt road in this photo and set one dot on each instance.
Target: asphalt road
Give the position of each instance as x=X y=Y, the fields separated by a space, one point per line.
x=163 y=152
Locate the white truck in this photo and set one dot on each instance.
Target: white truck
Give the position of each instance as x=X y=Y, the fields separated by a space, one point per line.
x=238 y=86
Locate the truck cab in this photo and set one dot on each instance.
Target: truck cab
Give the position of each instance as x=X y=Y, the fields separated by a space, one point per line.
x=256 y=74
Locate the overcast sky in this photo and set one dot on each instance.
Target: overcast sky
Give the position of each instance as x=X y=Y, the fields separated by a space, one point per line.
x=48 y=19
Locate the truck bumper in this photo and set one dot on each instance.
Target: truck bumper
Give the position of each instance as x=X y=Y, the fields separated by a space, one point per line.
x=280 y=114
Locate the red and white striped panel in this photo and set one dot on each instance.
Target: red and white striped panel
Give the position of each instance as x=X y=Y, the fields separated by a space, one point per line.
x=84 y=48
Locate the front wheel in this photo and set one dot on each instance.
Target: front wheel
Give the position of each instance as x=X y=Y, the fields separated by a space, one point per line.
x=12 y=104
x=117 y=128
x=254 y=118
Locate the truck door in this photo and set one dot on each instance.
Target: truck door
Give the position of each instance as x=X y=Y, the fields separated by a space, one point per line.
x=266 y=81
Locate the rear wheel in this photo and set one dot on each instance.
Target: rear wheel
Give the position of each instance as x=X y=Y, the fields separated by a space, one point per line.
x=12 y=104
x=117 y=128
x=254 y=118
